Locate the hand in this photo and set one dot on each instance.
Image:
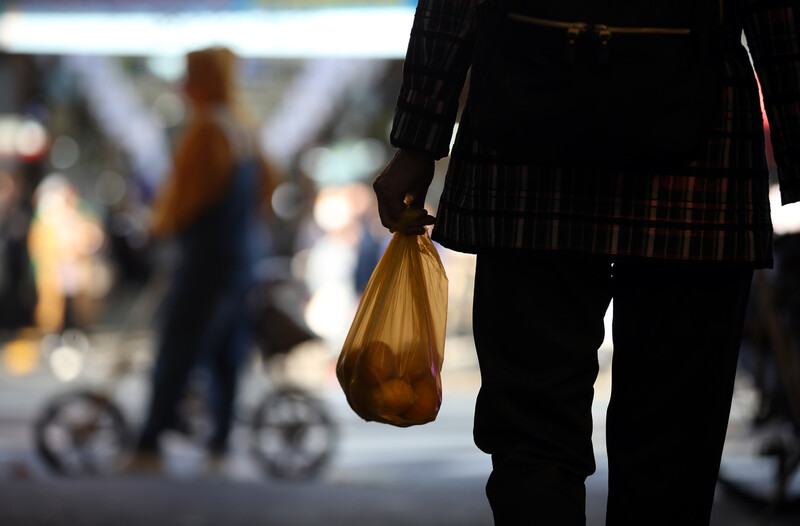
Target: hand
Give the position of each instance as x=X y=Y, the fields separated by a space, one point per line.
x=404 y=184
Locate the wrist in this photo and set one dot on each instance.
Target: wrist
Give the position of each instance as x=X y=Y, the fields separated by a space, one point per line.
x=417 y=156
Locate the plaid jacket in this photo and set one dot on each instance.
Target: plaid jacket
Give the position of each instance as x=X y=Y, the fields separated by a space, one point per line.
x=716 y=209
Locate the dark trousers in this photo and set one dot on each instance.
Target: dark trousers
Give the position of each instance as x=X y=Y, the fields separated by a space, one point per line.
x=538 y=322
x=205 y=325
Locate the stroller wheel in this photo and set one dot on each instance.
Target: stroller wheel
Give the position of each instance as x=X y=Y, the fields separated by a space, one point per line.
x=81 y=433
x=293 y=436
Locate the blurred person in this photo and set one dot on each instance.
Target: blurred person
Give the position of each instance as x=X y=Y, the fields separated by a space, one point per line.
x=64 y=238
x=210 y=204
x=674 y=247
x=17 y=284
x=373 y=238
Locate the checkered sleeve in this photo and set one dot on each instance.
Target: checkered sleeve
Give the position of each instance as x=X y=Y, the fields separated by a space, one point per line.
x=772 y=28
x=437 y=60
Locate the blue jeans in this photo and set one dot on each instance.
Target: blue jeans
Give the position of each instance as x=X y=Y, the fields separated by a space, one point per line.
x=206 y=323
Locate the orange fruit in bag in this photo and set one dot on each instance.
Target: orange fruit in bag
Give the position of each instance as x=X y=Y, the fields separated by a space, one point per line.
x=345 y=368
x=426 y=402
x=362 y=371
x=389 y=399
x=417 y=361
x=379 y=386
x=376 y=363
x=354 y=391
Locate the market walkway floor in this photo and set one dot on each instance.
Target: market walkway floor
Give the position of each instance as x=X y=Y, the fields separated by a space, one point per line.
x=379 y=475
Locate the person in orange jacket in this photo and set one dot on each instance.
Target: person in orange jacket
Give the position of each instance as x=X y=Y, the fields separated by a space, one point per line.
x=210 y=203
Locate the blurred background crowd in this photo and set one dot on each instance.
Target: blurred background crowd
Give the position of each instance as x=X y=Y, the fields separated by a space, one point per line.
x=94 y=106
x=87 y=127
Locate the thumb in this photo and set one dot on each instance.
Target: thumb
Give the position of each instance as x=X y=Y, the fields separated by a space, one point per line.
x=418 y=197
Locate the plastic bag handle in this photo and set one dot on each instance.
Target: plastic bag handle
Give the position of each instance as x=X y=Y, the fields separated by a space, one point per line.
x=409 y=216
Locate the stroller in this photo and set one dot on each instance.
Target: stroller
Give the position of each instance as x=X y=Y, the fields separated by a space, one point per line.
x=85 y=431
x=767 y=396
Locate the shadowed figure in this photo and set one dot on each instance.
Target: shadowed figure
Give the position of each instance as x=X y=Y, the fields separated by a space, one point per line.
x=670 y=231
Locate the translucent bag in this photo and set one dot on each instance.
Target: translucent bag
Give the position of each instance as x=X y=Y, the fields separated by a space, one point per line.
x=390 y=365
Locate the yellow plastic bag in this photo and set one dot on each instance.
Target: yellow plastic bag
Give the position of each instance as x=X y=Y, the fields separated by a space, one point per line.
x=391 y=362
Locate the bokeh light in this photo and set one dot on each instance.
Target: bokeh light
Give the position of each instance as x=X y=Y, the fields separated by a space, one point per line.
x=344 y=162
x=332 y=210
x=785 y=218
x=30 y=140
x=64 y=152
x=168 y=67
x=66 y=363
x=66 y=353
x=288 y=201
x=110 y=188
x=21 y=355
x=329 y=312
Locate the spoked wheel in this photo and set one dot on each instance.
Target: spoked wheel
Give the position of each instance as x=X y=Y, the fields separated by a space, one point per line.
x=293 y=435
x=82 y=433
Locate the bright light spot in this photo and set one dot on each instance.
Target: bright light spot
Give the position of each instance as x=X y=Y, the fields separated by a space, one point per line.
x=294 y=33
x=169 y=68
x=785 y=218
x=455 y=134
x=31 y=139
x=608 y=321
x=332 y=211
x=66 y=363
x=65 y=152
x=329 y=312
x=110 y=188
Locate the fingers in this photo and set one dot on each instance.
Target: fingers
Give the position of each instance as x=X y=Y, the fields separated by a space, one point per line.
x=393 y=211
x=401 y=185
x=390 y=209
x=417 y=228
